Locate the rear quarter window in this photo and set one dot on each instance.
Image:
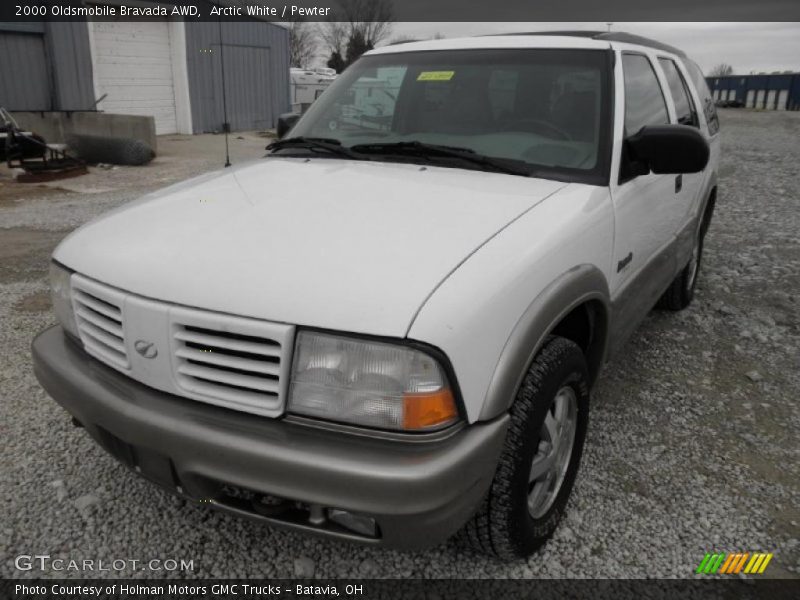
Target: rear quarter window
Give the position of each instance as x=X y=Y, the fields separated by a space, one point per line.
x=706 y=101
x=684 y=106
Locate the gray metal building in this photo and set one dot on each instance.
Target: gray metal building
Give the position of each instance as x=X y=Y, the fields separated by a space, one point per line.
x=168 y=69
x=45 y=66
x=256 y=58
x=768 y=91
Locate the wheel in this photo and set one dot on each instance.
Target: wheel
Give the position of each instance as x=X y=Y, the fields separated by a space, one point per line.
x=680 y=292
x=540 y=458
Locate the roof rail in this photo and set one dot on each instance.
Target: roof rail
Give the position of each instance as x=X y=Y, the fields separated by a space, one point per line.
x=608 y=36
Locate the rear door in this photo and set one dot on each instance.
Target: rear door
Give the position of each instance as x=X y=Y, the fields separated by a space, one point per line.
x=688 y=186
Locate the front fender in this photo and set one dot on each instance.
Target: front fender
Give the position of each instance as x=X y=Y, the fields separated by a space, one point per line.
x=580 y=284
x=562 y=248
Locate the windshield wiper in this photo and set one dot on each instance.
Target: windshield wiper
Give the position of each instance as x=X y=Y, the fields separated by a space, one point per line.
x=430 y=151
x=331 y=145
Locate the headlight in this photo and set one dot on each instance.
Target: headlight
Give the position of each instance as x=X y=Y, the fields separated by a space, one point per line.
x=375 y=384
x=61 y=293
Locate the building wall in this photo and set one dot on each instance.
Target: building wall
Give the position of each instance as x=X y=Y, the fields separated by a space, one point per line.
x=56 y=61
x=72 y=65
x=45 y=66
x=721 y=87
x=256 y=57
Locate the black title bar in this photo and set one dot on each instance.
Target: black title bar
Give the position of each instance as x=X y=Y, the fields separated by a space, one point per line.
x=405 y=10
x=413 y=589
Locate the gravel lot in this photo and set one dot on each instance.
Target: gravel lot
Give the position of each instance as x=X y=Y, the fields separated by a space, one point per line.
x=693 y=443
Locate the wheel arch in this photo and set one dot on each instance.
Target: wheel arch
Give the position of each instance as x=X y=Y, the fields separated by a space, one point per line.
x=708 y=209
x=575 y=306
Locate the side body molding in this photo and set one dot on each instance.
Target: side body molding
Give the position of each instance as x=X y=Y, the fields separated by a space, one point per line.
x=580 y=284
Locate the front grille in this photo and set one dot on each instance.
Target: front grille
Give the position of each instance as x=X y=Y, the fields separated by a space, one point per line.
x=99 y=316
x=231 y=361
x=236 y=367
x=235 y=362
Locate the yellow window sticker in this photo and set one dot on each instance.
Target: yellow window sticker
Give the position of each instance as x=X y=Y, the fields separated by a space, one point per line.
x=436 y=76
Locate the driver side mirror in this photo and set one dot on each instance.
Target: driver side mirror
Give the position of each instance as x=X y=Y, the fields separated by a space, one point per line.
x=668 y=149
x=285 y=122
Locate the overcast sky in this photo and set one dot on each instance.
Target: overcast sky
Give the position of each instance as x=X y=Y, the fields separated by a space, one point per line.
x=746 y=46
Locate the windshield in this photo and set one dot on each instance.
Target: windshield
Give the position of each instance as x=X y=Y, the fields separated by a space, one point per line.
x=544 y=109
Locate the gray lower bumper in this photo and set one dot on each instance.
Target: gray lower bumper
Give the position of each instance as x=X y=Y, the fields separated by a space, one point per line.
x=419 y=492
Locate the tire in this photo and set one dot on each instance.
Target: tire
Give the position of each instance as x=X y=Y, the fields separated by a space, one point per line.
x=680 y=292
x=504 y=525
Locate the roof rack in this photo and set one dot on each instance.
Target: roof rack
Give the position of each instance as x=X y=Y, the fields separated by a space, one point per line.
x=607 y=36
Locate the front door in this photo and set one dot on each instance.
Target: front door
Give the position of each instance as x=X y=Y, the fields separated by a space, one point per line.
x=645 y=217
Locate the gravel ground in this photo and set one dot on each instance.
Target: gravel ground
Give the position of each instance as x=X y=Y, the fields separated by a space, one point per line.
x=693 y=443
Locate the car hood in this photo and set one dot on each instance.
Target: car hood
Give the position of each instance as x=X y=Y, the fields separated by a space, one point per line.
x=329 y=243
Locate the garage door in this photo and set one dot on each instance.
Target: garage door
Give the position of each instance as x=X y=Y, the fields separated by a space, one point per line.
x=783 y=97
x=133 y=65
x=771 y=100
x=247 y=79
x=24 y=84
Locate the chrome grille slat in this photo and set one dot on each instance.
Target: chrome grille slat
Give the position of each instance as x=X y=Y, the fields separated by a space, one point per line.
x=242 y=364
x=104 y=351
x=234 y=379
x=107 y=339
x=229 y=344
x=98 y=313
x=97 y=321
x=100 y=307
x=249 y=401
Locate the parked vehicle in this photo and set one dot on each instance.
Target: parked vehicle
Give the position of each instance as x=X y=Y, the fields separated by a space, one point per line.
x=308 y=84
x=388 y=332
x=729 y=104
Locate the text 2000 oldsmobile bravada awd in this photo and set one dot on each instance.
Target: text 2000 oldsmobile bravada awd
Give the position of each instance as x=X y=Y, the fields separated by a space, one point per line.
x=387 y=329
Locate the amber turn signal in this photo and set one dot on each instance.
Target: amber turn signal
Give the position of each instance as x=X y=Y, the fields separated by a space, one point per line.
x=426 y=411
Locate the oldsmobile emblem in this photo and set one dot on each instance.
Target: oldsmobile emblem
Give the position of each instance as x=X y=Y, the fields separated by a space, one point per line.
x=146 y=349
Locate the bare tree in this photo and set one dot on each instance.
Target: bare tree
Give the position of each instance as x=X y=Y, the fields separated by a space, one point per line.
x=721 y=70
x=334 y=35
x=363 y=25
x=302 y=43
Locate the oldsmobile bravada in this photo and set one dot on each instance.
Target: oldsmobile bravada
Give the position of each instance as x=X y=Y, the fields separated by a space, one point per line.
x=387 y=330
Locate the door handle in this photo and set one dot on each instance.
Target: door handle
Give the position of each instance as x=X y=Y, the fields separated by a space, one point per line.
x=678 y=183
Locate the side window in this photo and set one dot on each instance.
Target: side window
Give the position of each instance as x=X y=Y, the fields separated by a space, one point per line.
x=644 y=100
x=706 y=100
x=684 y=107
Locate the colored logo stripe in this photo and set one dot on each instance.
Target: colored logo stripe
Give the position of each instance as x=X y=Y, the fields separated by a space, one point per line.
x=732 y=564
x=758 y=563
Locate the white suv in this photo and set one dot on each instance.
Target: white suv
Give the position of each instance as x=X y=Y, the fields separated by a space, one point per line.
x=387 y=329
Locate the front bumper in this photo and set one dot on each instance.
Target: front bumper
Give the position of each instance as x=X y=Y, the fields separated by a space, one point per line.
x=418 y=492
